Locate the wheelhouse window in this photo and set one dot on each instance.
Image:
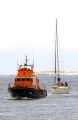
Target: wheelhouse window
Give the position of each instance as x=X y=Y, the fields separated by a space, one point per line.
x=29 y=79
x=18 y=79
x=22 y=79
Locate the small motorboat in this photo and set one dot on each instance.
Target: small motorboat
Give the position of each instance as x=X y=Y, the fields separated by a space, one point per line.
x=26 y=83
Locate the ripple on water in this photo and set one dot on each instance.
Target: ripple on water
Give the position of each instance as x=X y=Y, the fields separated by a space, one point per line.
x=53 y=107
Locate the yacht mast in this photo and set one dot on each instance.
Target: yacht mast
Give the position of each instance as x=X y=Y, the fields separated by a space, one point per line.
x=55 y=55
x=57 y=52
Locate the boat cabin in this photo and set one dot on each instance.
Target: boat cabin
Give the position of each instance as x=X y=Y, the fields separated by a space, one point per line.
x=26 y=78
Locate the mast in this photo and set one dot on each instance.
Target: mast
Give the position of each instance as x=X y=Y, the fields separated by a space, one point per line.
x=55 y=48
x=26 y=59
x=57 y=52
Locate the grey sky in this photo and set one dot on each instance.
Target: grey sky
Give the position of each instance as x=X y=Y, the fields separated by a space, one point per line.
x=29 y=25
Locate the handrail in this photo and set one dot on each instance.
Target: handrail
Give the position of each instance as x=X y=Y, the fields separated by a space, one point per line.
x=41 y=86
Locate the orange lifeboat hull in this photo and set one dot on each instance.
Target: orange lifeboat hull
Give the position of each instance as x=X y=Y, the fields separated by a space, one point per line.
x=26 y=84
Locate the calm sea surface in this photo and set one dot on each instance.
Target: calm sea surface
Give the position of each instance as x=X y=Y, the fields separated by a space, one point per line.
x=53 y=107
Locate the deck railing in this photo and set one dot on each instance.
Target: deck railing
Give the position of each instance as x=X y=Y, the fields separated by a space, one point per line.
x=41 y=85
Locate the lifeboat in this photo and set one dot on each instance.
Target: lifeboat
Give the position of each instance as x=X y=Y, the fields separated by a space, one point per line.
x=26 y=83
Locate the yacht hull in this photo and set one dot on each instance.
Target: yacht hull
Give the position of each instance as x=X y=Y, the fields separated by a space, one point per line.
x=27 y=92
x=60 y=90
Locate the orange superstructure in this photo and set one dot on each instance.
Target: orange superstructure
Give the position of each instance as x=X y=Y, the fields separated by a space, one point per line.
x=26 y=78
x=24 y=72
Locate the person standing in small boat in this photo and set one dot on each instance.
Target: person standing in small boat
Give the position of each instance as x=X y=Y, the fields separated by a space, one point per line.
x=66 y=84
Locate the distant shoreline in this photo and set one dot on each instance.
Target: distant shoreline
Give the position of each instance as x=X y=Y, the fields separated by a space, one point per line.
x=60 y=72
x=49 y=73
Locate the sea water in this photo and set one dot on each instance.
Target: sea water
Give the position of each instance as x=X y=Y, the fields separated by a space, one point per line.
x=53 y=107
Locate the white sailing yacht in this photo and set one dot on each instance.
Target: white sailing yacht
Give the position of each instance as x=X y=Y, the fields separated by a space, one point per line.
x=59 y=87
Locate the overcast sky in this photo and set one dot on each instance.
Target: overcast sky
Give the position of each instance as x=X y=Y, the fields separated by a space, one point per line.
x=28 y=27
